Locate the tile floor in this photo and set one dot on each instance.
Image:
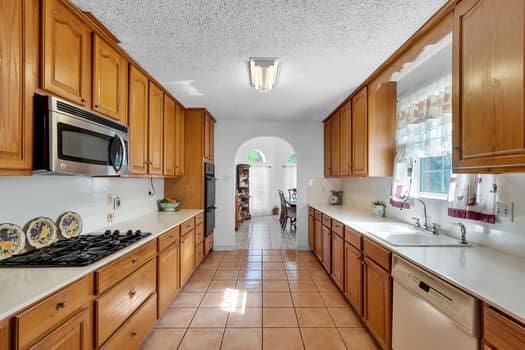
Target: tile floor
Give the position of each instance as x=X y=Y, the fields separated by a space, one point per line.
x=260 y=299
x=264 y=232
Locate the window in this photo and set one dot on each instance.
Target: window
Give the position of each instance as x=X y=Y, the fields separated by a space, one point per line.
x=292 y=159
x=255 y=156
x=434 y=174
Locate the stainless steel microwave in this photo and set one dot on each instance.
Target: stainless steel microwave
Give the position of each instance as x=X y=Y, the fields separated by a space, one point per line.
x=73 y=141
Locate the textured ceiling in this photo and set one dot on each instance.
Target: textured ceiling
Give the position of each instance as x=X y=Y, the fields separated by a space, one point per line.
x=199 y=49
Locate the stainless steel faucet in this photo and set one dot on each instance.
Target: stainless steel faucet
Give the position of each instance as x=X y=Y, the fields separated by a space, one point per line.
x=463 y=231
x=426 y=226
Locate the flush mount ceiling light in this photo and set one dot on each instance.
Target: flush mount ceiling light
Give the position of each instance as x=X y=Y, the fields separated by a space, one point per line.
x=263 y=72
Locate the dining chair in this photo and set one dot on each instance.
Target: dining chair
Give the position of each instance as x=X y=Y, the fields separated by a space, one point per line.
x=292 y=194
x=287 y=212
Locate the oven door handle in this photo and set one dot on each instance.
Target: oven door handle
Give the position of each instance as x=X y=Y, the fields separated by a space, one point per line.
x=210 y=209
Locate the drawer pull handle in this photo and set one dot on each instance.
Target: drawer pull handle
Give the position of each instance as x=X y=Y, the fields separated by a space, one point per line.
x=132 y=293
x=133 y=334
x=133 y=260
x=61 y=305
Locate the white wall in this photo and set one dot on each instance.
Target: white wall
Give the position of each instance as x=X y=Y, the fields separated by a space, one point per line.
x=508 y=237
x=306 y=140
x=276 y=152
x=24 y=198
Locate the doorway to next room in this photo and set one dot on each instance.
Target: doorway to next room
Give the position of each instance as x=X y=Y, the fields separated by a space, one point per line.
x=264 y=219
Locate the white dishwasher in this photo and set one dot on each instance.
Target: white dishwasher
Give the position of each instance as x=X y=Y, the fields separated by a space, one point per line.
x=431 y=314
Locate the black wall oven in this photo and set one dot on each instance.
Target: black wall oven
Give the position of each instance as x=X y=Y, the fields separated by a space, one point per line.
x=209 y=197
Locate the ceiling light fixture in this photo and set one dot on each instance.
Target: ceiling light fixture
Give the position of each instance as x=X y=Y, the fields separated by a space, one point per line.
x=263 y=72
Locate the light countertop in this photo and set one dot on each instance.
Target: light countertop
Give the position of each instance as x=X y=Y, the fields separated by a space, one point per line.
x=492 y=276
x=21 y=287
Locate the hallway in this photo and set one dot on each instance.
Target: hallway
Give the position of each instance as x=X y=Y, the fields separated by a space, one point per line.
x=260 y=299
x=264 y=232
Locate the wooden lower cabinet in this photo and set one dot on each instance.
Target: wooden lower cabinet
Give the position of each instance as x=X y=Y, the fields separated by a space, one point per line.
x=353 y=285
x=75 y=333
x=318 y=239
x=136 y=328
x=311 y=231
x=199 y=254
x=326 y=248
x=208 y=244
x=338 y=260
x=377 y=303
x=501 y=332
x=187 y=256
x=168 y=283
x=5 y=335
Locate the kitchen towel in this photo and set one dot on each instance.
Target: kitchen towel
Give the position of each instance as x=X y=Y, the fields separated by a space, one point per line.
x=473 y=197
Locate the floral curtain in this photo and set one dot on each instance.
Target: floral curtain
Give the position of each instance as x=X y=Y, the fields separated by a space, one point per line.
x=423 y=129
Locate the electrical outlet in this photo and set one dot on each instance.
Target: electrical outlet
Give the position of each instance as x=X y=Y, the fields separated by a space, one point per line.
x=504 y=211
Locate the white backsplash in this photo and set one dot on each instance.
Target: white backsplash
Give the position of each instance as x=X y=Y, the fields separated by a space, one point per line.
x=24 y=198
x=360 y=192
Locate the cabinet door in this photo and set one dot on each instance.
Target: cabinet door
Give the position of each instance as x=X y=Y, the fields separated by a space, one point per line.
x=15 y=140
x=345 y=167
x=378 y=303
x=318 y=239
x=72 y=334
x=187 y=258
x=354 y=277
x=168 y=277
x=5 y=335
x=335 y=129
x=207 y=150
x=327 y=249
x=489 y=85
x=110 y=81
x=311 y=230
x=338 y=260
x=501 y=332
x=179 y=140
x=360 y=133
x=155 y=138
x=66 y=53
x=327 y=148
x=170 y=136
x=138 y=122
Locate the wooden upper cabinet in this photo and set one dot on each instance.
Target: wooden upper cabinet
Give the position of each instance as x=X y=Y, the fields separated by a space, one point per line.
x=66 y=65
x=345 y=144
x=138 y=122
x=327 y=148
x=179 y=140
x=209 y=137
x=335 y=138
x=156 y=117
x=360 y=133
x=170 y=136
x=110 y=81
x=15 y=132
x=489 y=86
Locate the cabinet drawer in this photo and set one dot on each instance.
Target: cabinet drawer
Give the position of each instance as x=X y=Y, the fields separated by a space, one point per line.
x=337 y=227
x=168 y=238
x=353 y=238
x=199 y=234
x=311 y=211
x=116 y=271
x=135 y=330
x=376 y=253
x=327 y=221
x=318 y=215
x=50 y=312
x=187 y=226
x=199 y=253
x=115 y=306
x=501 y=332
x=199 y=219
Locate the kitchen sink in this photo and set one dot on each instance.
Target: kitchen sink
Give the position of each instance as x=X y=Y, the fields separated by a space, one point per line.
x=420 y=239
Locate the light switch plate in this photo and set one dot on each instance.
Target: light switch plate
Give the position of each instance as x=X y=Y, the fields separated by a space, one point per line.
x=504 y=211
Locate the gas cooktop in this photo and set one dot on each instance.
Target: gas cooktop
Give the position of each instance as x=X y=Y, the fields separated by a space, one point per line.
x=79 y=251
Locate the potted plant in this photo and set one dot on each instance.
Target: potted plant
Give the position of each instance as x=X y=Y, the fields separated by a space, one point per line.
x=379 y=208
x=275 y=210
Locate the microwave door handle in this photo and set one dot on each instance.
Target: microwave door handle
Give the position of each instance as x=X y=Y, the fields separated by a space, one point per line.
x=124 y=155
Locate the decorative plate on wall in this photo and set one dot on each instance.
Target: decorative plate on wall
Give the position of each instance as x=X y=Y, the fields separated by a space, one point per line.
x=69 y=224
x=12 y=240
x=41 y=232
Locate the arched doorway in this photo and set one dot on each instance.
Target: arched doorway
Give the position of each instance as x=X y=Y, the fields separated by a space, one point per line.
x=263 y=166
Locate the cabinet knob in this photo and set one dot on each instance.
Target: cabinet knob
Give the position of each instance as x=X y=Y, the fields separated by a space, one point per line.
x=132 y=293
x=133 y=334
x=61 y=305
x=457 y=148
x=83 y=100
x=134 y=260
x=96 y=106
